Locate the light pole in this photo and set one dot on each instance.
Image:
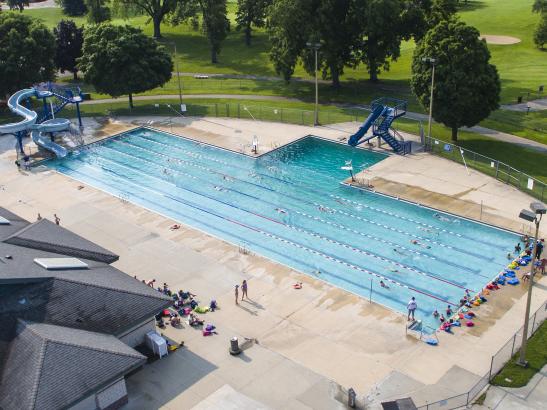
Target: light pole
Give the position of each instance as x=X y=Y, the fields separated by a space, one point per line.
x=178 y=76
x=433 y=62
x=315 y=47
x=533 y=215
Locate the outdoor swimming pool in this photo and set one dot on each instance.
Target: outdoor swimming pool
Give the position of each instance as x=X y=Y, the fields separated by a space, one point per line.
x=289 y=206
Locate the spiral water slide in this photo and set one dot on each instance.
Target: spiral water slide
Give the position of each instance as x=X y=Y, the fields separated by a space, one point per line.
x=39 y=132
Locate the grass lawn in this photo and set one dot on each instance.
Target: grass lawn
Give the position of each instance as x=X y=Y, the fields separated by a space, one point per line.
x=536 y=355
x=522 y=67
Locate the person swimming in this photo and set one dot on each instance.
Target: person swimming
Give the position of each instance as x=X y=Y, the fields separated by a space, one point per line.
x=382 y=284
x=441 y=217
x=280 y=210
x=415 y=242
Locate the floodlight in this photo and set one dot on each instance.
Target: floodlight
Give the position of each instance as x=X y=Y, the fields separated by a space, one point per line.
x=527 y=215
x=538 y=208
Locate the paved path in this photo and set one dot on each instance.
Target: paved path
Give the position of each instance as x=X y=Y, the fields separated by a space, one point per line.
x=500 y=136
x=535 y=105
x=40 y=5
x=531 y=396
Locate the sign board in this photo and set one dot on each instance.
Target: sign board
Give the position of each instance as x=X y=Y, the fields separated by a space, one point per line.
x=530 y=184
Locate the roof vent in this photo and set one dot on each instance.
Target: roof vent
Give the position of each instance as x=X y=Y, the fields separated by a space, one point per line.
x=61 y=263
x=4 y=221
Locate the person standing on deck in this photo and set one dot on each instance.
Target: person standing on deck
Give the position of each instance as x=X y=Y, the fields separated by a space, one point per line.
x=244 y=290
x=412 y=306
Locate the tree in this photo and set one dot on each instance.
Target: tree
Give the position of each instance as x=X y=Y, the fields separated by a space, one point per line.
x=382 y=35
x=540 y=34
x=442 y=10
x=467 y=86
x=335 y=24
x=155 y=9
x=539 y=6
x=215 y=24
x=251 y=13
x=17 y=4
x=414 y=18
x=27 y=48
x=72 y=8
x=69 y=40
x=119 y=60
x=98 y=11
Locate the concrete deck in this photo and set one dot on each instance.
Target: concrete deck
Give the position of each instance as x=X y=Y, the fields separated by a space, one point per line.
x=305 y=337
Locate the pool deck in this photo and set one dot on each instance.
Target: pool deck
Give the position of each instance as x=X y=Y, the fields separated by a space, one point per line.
x=319 y=333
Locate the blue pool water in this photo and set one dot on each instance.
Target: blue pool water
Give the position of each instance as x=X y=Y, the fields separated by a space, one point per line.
x=289 y=206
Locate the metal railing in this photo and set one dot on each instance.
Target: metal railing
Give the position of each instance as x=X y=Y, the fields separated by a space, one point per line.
x=489 y=166
x=498 y=360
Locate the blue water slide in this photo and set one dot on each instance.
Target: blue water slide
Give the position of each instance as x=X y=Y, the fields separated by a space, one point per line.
x=30 y=117
x=373 y=116
x=40 y=137
x=16 y=106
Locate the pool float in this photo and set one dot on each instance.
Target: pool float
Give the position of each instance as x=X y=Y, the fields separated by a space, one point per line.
x=476 y=303
x=509 y=274
x=486 y=291
x=432 y=342
x=461 y=315
x=201 y=309
x=501 y=281
x=469 y=323
x=468 y=316
x=297 y=286
x=513 y=281
x=456 y=323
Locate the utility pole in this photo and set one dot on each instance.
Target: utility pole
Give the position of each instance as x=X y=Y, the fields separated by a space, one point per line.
x=315 y=47
x=433 y=62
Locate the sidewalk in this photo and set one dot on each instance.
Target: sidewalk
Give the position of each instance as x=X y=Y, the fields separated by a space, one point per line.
x=532 y=396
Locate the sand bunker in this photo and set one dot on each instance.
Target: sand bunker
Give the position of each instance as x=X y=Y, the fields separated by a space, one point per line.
x=500 y=40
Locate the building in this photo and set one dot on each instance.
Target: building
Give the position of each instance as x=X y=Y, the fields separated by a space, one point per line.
x=69 y=321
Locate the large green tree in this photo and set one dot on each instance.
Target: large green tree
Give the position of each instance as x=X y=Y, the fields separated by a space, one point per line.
x=17 y=4
x=467 y=86
x=69 y=40
x=120 y=60
x=72 y=8
x=540 y=34
x=27 y=48
x=155 y=9
x=414 y=18
x=215 y=24
x=381 y=35
x=251 y=13
x=97 y=11
x=335 y=24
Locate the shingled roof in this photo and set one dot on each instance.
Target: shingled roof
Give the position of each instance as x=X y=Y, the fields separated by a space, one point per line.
x=59 y=328
x=49 y=367
x=46 y=236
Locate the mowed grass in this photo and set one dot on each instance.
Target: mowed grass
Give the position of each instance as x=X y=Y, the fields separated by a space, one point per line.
x=522 y=67
x=513 y=375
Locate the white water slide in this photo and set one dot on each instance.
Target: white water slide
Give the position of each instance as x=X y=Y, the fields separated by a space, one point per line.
x=38 y=131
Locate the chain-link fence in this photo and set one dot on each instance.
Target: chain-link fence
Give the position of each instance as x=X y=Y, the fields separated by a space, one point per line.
x=503 y=355
x=488 y=166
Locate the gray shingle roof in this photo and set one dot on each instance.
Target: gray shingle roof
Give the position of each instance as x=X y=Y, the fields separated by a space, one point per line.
x=58 y=328
x=45 y=235
x=16 y=224
x=52 y=367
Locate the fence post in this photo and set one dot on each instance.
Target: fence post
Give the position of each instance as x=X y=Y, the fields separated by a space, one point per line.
x=534 y=322
x=490 y=373
x=497 y=168
x=513 y=346
x=302 y=112
x=467 y=401
x=238 y=110
x=216 y=109
x=281 y=114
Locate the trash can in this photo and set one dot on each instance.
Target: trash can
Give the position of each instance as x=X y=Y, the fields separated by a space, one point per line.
x=519 y=99
x=234 y=346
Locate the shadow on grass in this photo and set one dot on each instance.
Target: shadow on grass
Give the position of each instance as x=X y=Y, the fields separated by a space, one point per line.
x=471 y=5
